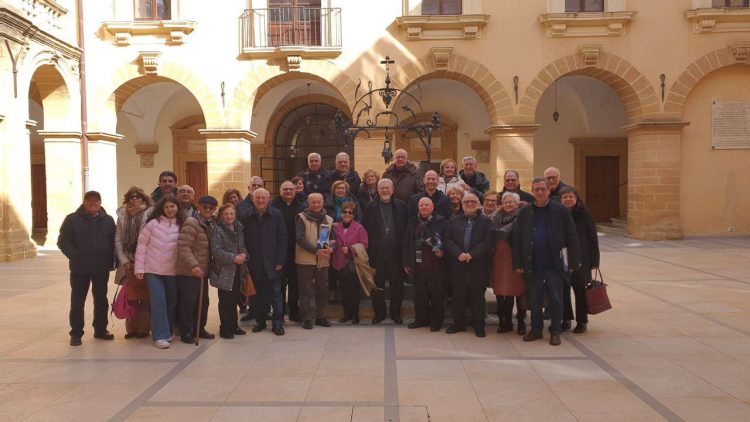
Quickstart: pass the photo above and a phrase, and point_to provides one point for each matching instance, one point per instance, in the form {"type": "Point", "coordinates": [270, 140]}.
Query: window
{"type": "Point", "coordinates": [154, 10]}
{"type": "Point", "coordinates": [441, 7]}
{"type": "Point", "coordinates": [584, 5]}
{"type": "Point", "coordinates": [731, 3]}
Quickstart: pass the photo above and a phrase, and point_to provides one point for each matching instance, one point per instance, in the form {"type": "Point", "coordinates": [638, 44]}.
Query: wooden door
{"type": "Point", "coordinates": [39, 196]}
{"type": "Point", "coordinates": [197, 177]}
{"type": "Point", "coordinates": [293, 22]}
{"type": "Point", "coordinates": [603, 187]}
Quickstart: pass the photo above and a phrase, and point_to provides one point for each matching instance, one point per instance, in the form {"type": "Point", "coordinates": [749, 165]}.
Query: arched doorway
{"type": "Point", "coordinates": [308, 128]}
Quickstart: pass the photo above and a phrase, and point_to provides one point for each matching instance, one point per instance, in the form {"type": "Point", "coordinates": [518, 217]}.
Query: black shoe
{"type": "Point", "coordinates": [521, 328]}
{"type": "Point", "coordinates": [294, 317]}
{"type": "Point", "coordinates": [278, 330]}
{"type": "Point", "coordinates": [206, 335]}
{"type": "Point", "coordinates": [104, 335]}
{"type": "Point", "coordinates": [532, 335]}
{"type": "Point", "coordinates": [239, 331]}
{"type": "Point", "coordinates": [416, 324]}
{"type": "Point", "coordinates": [75, 341]}
{"type": "Point", "coordinates": [226, 335]}
{"type": "Point", "coordinates": [580, 328]}
{"type": "Point", "coordinates": [435, 329]}
{"type": "Point", "coordinates": [565, 326]}
{"type": "Point", "coordinates": [479, 331]}
{"type": "Point", "coordinates": [554, 339]}
{"type": "Point", "coordinates": [307, 325]}
{"type": "Point", "coordinates": [398, 320]}
{"type": "Point", "coordinates": [259, 327]}
{"type": "Point", "coordinates": [376, 321]}
{"type": "Point", "coordinates": [247, 317]}
{"type": "Point", "coordinates": [187, 338]}
{"type": "Point", "coordinates": [322, 322]}
{"type": "Point", "coordinates": [453, 329]}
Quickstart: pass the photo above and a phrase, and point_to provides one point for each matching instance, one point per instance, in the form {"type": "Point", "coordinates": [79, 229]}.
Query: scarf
{"type": "Point", "coordinates": [339, 202]}
{"type": "Point", "coordinates": [317, 217]}
{"type": "Point", "coordinates": [425, 236]}
{"type": "Point", "coordinates": [131, 227]}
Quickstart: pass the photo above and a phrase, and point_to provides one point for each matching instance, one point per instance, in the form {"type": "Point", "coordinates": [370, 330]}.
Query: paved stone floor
{"type": "Point", "coordinates": [676, 346]}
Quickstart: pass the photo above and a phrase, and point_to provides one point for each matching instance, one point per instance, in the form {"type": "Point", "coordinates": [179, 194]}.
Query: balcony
{"type": "Point", "coordinates": [291, 32]}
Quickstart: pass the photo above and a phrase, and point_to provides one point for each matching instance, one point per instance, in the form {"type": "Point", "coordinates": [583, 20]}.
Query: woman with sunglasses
{"type": "Point", "coordinates": [349, 233]}
{"type": "Point", "coordinates": [131, 216]}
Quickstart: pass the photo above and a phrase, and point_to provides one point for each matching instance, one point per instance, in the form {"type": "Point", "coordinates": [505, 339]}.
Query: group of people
{"type": "Point", "coordinates": [331, 236]}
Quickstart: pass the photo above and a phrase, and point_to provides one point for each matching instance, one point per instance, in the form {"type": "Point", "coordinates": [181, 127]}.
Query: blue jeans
{"type": "Point", "coordinates": [550, 283]}
{"type": "Point", "coordinates": [163, 295]}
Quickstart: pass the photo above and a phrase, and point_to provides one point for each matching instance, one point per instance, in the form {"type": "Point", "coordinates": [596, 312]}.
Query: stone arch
{"type": "Point", "coordinates": [459, 68]}
{"type": "Point", "coordinates": [693, 74]}
{"type": "Point", "coordinates": [264, 78]}
{"type": "Point", "coordinates": [126, 79]}
{"type": "Point", "coordinates": [59, 91]}
{"type": "Point", "coordinates": [281, 112]}
{"type": "Point", "coordinates": [633, 88]}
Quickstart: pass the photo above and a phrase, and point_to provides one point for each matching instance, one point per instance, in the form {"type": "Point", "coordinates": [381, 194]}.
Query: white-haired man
{"type": "Point", "coordinates": [315, 178]}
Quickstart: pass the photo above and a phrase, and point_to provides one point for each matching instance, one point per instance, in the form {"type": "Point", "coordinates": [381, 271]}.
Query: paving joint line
{"type": "Point", "coordinates": [194, 403]}
{"type": "Point", "coordinates": [390, 384]}
{"type": "Point", "coordinates": [495, 358]}
{"type": "Point", "coordinates": [645, 397]}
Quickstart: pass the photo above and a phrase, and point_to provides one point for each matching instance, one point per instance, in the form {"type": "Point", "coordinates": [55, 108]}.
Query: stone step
{"type": "Point", "coordinates": [620, 223]}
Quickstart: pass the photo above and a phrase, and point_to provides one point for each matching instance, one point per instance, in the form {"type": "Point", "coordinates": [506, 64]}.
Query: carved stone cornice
{"type": "Point", "coordinates": [733, 19]}
{"type": "Point", "coordinates": [174, 31]}
{"type": "Point", "coordinates": [21, 31]}
{"type": "Point", "coordinates": [586, 24]}
{"type": "Point", "coordinates": [442, 27]}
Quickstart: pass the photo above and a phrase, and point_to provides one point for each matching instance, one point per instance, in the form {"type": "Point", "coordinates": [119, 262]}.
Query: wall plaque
{"type": "Point", "coordinates": [730, 125]}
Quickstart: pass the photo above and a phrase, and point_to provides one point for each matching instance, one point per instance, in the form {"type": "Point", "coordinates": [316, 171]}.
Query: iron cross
{"type": "Point", "coordinates": [387, 62]}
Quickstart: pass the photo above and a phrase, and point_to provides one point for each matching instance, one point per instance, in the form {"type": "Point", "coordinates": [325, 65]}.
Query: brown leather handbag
{"type": "Point", "coordinates": [597, 300]}
{"type": "Point", "coordinates": [247, 288]}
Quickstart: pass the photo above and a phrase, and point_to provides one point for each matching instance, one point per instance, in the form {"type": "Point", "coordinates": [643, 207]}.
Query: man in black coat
{"type": "Point", "coordinates": [468, 243]}
{"type": "Point", "coordinates": [552, 175]}
{"type": "Point", "coordinates": [289, 207]}
{"type": "Point", "coordinates": [476, 180]}
{"type": "Point", "coordinates": [385, 222]}
{"type": "Point", "coordinates": [265, 239]}
{"type": "Point", "coordinates": [315, 177]}
{"type": "Point", "coordinates": [545, 249]}
{"type": "Point", "coordinates": [441, 202]}
{"type": "Point", "coordinates": [246, 205]}
{"type": "Point", "coordinates": [344, 172]}
{"type": "Point", "coordinates": [512, 183]}
{"type": "Point", "coordinates": [87, 239]}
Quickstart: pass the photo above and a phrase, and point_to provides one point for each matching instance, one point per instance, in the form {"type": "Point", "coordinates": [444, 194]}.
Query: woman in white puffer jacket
{"type": "Point", "coordinates": [155, 259]}
{"type": "Point", "coordinates": [449, 177]}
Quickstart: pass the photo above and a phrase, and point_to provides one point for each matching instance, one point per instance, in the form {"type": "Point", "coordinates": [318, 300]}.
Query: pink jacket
{"type": "Point", "coordinates": [354, 234]}
{"type": "Point", "coordinates": [157, 247]}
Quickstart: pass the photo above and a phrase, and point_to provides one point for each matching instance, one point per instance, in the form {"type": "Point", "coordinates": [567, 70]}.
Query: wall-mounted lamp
{"type": "Point", "coordinates": [387, 152]}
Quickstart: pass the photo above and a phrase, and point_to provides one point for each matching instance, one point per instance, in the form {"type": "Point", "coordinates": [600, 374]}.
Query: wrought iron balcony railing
{"type": "Point", "coordinates": [290, 26]}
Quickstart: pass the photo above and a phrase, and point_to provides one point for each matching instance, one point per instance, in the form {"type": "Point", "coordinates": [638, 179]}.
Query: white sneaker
{"type": "Point", "coordinates": [170, 339]}
{"type": "Point", "coordinates": [161, 344]}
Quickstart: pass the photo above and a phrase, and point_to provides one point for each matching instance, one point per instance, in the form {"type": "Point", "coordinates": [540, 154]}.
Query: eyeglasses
{"type": "Point", "coordinates": [490, 200]}
{"type": "Point", "coordinates": [471, 201]}
{"type": "Point", "coordinates": [552, 177]}
{"type": "Point", "coordinates": [540, 189]}
{"type": "Point", "coordinates": [347, 212]}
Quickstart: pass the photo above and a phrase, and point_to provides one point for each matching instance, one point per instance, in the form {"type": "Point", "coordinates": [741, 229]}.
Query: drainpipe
{"type": "Point", "coordinates": [84, 108]}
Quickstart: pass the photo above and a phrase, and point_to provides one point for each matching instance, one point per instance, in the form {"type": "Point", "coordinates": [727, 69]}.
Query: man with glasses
{"type": "Point", "coordinates": [186, 196]}
{"type": "Point", "coordinates": [552, 176]}
{"type": "Point", "coordinates": [545, 249]}
{"type": "Point", "coordinates": [167, 183]}
{"type": "Point", "coordinates": [246, 205]}
{"type": "Point", "coordinates": [193, 257]}
{"type": "Point", "coordinates": [490, 203]}
{"type": "Point", "coordinates": [87, 239]}
{"type": "Point", "coordinates": [468, 244]}
{"type": "Point", "coordinates": [512, 183]}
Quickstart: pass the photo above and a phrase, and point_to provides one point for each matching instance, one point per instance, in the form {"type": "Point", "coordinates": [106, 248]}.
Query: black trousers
{"type": "Point", "coordinates": [505, 310]}
{"type": "Point", "coordinates": [228, 300]}
{"type": "Point", "coordinates": [429, 296]}
{"type": "Point", "coordinates": [290, 289]}
{"type": "Point", "coordinates": [468, 288]}
{"type": "Point", "coordinates": [350, 291]}
{"type": "Point", "coordinates": [188, 289]}
{"type": "Point", "coordinates": [579, 280]}
{"type": "Point", "coordinates": [550, 284]}
{"type": "Point", "coordinates": [390, 270]}
{"type": "Point", "coordinates": [79, 289]}
{"type": "Point", "coordinates": [268, 296]}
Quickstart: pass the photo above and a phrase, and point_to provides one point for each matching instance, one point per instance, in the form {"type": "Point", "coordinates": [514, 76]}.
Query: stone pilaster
{"type": "Point", "coordinates": [103, 167]}
{"type": "Point", "coordinates": [654, 166]}
{"type": "Point", "coordinates": [229, 159]}
{"type": "Point", "coordinates": [511, 147]}
{"type": "Point", "coordinates": [64, 177]}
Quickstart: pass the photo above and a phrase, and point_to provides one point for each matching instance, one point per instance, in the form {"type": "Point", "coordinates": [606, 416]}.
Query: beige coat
{"type": "Point", "coordinates": [303, 257]}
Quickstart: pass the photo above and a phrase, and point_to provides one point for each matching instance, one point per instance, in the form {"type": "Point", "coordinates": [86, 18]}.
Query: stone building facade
{"type": "Point", "coordinates": [222, 93]}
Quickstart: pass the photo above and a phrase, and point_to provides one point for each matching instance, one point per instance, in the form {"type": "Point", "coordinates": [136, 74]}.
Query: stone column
{"type": "Point", "coordinates": [511, 147]}
{"type": "Point", "coordinates": [229, 159]}
{"type": "Point", "coordinates": [103, 168]}
{"type": "Point", "coordinates": [654, 166]}
{"type": "Point", "coordinates": [64, 177]}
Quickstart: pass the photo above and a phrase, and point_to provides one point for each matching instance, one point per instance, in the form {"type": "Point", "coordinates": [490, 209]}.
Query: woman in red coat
{"type": "Point", "coordinates": [348, 233]}
{"type": "Point", "coordinates": [507, 284]}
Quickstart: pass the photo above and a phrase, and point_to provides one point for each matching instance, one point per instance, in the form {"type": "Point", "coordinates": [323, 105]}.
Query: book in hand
{"type": "Point", "coordinates": [324, 235]}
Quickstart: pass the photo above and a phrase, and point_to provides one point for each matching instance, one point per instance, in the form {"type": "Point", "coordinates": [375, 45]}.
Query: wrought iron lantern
{"type": "Point", "coordinates": [365, 121]}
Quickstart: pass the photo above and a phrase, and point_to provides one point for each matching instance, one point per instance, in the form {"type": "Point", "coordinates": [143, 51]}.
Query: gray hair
{"type": "Point", "coordinates": [313, 154]}
{"type": "Point", "coordinates": [469, 158]}
{"type": "Point", "coordinates": [385, 181]}
{"type": "Point", "coordinates": [516, 197]}
{"type": "Point", "coordinates": [342, 154]}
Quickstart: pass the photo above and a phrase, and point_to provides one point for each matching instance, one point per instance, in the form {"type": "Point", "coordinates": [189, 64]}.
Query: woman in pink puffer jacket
{"type": "Point", "coordinates": [155, 259]}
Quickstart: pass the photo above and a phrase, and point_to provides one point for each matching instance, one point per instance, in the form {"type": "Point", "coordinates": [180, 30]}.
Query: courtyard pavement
{"type": "Point", "coordinates": [676, 346]}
